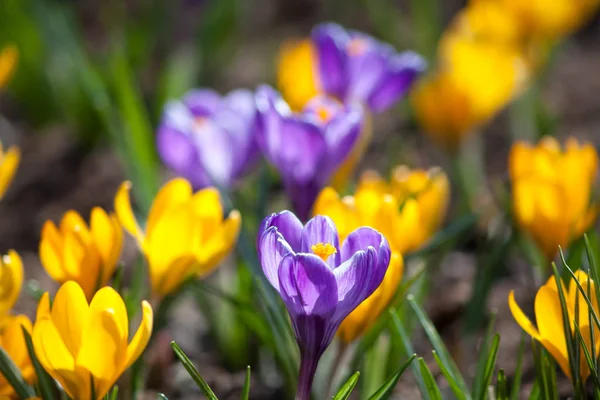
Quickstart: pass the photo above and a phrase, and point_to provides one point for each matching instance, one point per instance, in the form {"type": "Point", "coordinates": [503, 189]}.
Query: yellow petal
{"type": "Point", "coordinates": [219, 245]}
{"type": "Point", "coordinates": [8, 59]}
{"type": "Point", "coordinates": [11, 280]}
{"type": "Point", "coordinates": [43, 308]}
{"type": "Point", "coordinates": [108, 239]}
{"type": "Point", "coordinates": [521, 318]}
{"type": "Point", "coordinates": [142, 335]}
{"type": "Point", "coordinates": [173, 194]}
{"type": "Point", "coordinates": [8, 163]}
{"type": "Point", "coordinates": [70, 315]}
{"type": "Point", "coordinates": [177, 272]}
{"type": "Point", "coordinates": [108, 299]}
{"type": "Point", "coordinates": [13, 342]}
{"type": "Point", "coordinates": [207, 212]}
{"type": "Point", "coordinates": [125, 213]}
{"type": "Point", "coordinates": [296, 72]}
{"type": "Point", "coordinates": [550, 323]}
{"type": "Point", "coordinates": [51, 248]}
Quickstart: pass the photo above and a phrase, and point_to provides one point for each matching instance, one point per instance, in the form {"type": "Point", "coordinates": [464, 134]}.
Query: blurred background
{"type": "Point", "coordinates": [92, 78]}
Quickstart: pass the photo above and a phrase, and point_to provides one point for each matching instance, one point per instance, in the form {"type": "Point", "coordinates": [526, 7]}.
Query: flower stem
{"type": "Point", "coordinates": [308, 368]}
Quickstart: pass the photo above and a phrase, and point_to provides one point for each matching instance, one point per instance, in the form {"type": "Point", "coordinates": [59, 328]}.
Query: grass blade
{"type": "Point", "coordinates": [516, 384]}
{"type": "Point", "coordinates": [13, 376]}
{"type": "Point", "coordinates": [387, 388]}
{"type": "Point", "coordinates": [432, 388]}
{"type": "Point", "coordinates": [347, 387]}
{"type": "Point", "coordinates": [460, 395]}
{"type": "Point", "coordinates": [246, 390]}
{"type": "Point", "coordinates": [189, 366]}
{"type": "Point", "coordinates": [479, 385]}
{"type": "Point", "coordinates": [45, 382]}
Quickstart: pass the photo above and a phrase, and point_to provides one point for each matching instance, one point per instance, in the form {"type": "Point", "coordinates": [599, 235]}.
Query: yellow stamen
{"type": "Point", "coordinates": [323, 250]}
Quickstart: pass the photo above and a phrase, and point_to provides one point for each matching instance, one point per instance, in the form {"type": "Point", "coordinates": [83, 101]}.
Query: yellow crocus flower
{"type": "Point", "coordinates": [186, 233]}
{"type": "Point", "coordinates": [296, 73]}
{"type": "Point", "coordinates": [87, 255]}
{"type": "Point", "coordinates": [552, 191]}
{"type": "Point", "coordinates": [9, 162]}
{"type": "Point", "coordinates": [408, 210]}
{"type": "Point", "coordinates": [11, 279]}
{"type": "Point", "coordinates": [550, 331]}
{"type": "Point", "coordinates": [8, 60]}
{"type": "Point", "coordinates": [85, 346]}
{"type": "Point", "coordinates": [13, 342]}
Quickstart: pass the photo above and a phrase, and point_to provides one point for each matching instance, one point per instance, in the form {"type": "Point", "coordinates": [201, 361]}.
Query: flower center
{"type": "Point", "coordinates": [323, 250]}
{"type": "Point", "coordinates": [200, 123]}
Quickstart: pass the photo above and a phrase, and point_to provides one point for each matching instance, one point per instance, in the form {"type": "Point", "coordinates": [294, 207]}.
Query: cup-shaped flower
{"type": "Point", "coordinates": [11, 280]}
{"type": "Point", "coordinates": [550, 330]}
{"type": "Point", "coordinates": [208, 138]}
{"type": "Point", "coordinates": [308, 147]}
{"type": "Point", "coordinates": [8, 60]}
{"type": "Point", "coordinates": [319, 281]}
{"type": "Point", "coordinates": [474, 81]}
{"type": "Point", "coordinates": [74, 251]}
{"type": "Point", "coordinates": [408, 210]}
{"type": "Point", "coordinates": [12, 341]}
{"type": "Point", "coordinates": [86, 347]}
{"type": "Point", "coordinates": [186, 233]}
{"type": "Point", "coordinates": [552, 191]}
{"type": "Point", "coordinates": [348, 65]}
{"type": "Point", "coordinates": [9, 162]}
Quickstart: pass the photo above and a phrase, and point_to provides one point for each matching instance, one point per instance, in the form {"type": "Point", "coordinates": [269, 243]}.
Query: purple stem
{"type": "Point", "coordinates": [308, 368]}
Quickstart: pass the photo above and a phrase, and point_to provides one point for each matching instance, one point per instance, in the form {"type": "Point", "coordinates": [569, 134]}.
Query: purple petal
{"type": "Point", "coordinates": [341, 134]}
{"type": "Point", "coordinates": [242, 102]}
{"type": "Point", "coordinates": [287, 224]}
{"type": "Point", "coordinates": [271, 110]}
{"type": "Point", "coordinates": [330, 41]}
{"type": "Point", "coordinates": [307, 286]}
{"type": "Point", "coordinates": [202, 102]}
{"type": "Point", "coordinates": [303, 195]}
{"type": "Point", "coordinates": [366, 71]}
{"type": "Point", "coordinates": [362, 239]}
{"type": "Point", "coordinates": [218, 151]}
{"type": "Point", "coordinates": [321, 229]}
{"type": "Point", "coordinates": [403, 69]}
{"type": "Point", "coordinates": [357, 279]}
{"type": "Point", "coordinates": [272, 248]}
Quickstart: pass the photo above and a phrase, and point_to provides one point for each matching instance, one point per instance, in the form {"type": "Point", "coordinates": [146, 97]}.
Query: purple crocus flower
{"type": "Point", "coordinates": [207, 138]}
{"type": "Point", "coordinates": [356, 66]}
{"type": "Point", "coordinates": [319, 281]}
{"type": "Point", "coordinates": [307, 147]}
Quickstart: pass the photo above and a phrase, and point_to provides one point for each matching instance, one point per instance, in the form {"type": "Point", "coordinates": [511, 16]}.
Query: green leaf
{"type": "Point", "coordinates": [113, 394]}
{"type": "Point", "coordinates": [490, 366]}
{"type": "Point", "coordinates": [179, 75]}
{"type": "Point", "coordinates": [438, 344]}
{"type": "Point", "coordinates": [13, 376]}
{"type": "Point", "coordinates": [460, 395]}
{"type": "Point", "coordinates": [246, 390]}
{"type": "Point", "coordinates": [189, 366]}
{"type": "Point", "coordinates": [347, 387]}
{"type": "Point", "coordinates": [479, 386]}
{"type": "Point", "coordinates": [388, 387]}
{"type": "Point", "coordinates": [516, 383]}
{"type": "Point", "coordinates": [432, 388]}
{"type": "Point", "coordinates": [501, 386]}
{"type": "Point", "coordinates": [45, 382]}
{"type": "Point", "coordinates": [160, 396]}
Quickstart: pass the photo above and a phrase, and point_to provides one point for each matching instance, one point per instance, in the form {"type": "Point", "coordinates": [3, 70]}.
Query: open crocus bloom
{"type": "Point", "coordinates": [186, 232]}
{"type": "Point", "coordinates": [85, 347]}
{"type": "Point", "coordinates": [550, 330]}
{"type": "Point", "coordinates": [552, 191]}
{"type": "Point", "coordinates": [308, 147]}
{"type": "Point", "coordinates": [78, 252]}
{"type": "Point", "coordinates": [209, 139]}
{"type": "Point", "coordinates": [319, 281]}
{"type": "Point", "coordinates": [11, 279]}
{"type": "Point", "coordinates": [356, 66]}
{"type": "Point", "coordinates": [12, 341]}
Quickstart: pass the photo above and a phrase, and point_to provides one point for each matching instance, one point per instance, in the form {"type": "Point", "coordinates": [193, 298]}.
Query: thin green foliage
{"type": "Point", "coordinates": [45, 383]}
{"type": "Point", "coordinates": [246, 389]}
{"type": "Point", "coordinates": [501, 386]}
{"type": "Point", "coordinates": [516, 382]}
{"type": "Point", "coordinates": [13, 376]}
{"type": "Point", "coordinates": [480, 383]}
{"type": "Point", "coordinates": [347, 388]}
{"type": "Point", "coordinates": [388, 387]}
{"type": "Point", "coordinates": [433, 390]}
{"type": "Point", "coordinates": [191, 369]}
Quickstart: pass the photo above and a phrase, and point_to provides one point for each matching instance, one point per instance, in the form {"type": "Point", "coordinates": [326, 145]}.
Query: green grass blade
{"type": "Point", "coordinates": [501, 386]}
{"type": "Point", "coordinates": [189, 366]}
{"type": "Point", "coordinates": [438, 344]}
{"type": "Point", "coordinates": [479, 385]}
{"type": "Point", "coordinates": [161, 396]}
{"type": "Point", "coordinates": [433, 390]}
{"type": "Point", "coordinates": [516, 383]}
{"type": "Point", "coordinates": [246, 390]}
{"type": "Point", "coordinates": [46, 384]}
{"type": "Point", "coordinates": [347, 387]}
{"type": "Point", "coordinates": [388, 387]}
{"type": "Point", "coordinates": [460, 395]}
{"type": "Point", "coordinates": [490, 366]}
{"type": "Point", "coordinates": [13, 376]}
{"type": "Point", "coordinates": [587, 355]}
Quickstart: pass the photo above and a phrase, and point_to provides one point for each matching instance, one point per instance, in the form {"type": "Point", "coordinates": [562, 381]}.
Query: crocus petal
{"type": "Point", "coordinates": [307, 286]}
{"type": "Point", "coordinates": [330, 40]}
{"type": "Point", "coordinates": [300, 157]}
{"type": "Point", "coordinates": [8, 167]}
{"type": "Point", "coordinates": [402, 70]}
{"type": "Point", "coordinates": [174, 193]}
{"type": "Point", "coordinates": [242, 102]}
{"type": "Point", "coordinates": [287, 224]}
{"type": "Point", "coordinates": [321, 229]}
{"type": "Point", "coordinates": [521, 318]}
{"type": "Point", "coordinates": [272, 248]}
{"type": "Point", "coordinates": [70, 301]}
{"type": "Point", "coordinates": [142, 335]}
{"type": "Point", "coordinates": [125, 213]}
{"type": "Point", "coordinates": [548, 315]}
{"type": "Point", "coordinates": [108, 299]}
{"type": "Point", "coordinates": [341, 135]}
{"type": "Point", "coordinates": [202, 102]}
{"type": "Point", "coordinates": [11, 280]}
{"type": "Point", "coordinates": [217, 247]}
{"type": "Point", "coordinates": [366, 71]}
{"type": "Point", "coordinates": [216, 150]}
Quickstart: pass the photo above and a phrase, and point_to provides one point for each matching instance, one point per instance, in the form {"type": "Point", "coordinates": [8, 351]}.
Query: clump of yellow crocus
{"type": "Point", "coordinates": [87, 255]}
{"type": "Point", "coordinates": [13, 342]}
{"type": "Point", "coordinates": [550, 331]}
{"type": "Point", "coordinates": [407, 210]}
{"type": "Point", "coordinates": [186, 233]}
{"type": "Point", "coordinates": [86, 347]}
{"type": "Point", "coordinates": [8, 60]}
{"type": "Point", "coordinates": [9, 161]}
{"type": "Point", "coordinates": [552, 191]}
{"type": "Point", "coordinates": [297, 77]}
{"type": "Point", "coordinates": [11, 279]}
